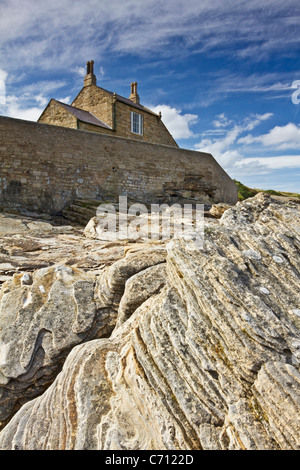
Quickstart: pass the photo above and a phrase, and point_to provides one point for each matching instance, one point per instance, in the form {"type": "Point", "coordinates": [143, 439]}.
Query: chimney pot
{"type": "Point", "coordinates": [90, 78]}
{"type": "Point", "coordinates": [134, 94]}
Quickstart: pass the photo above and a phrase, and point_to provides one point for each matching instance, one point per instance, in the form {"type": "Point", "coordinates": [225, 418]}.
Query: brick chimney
{"type": "Point", "coordinates": [90, 78]}
{"type": "Point", "coordinates": [134, 94]}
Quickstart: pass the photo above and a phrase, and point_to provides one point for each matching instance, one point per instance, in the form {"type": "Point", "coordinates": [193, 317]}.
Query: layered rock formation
{"type": "Point", "coordinates": [42, 317]}
{"type": "Point", "coordinates": [205, 350]}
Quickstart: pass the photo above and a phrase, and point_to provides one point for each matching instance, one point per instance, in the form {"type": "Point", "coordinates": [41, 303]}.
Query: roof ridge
{"type": "Point", "coordinates": [128, 101]}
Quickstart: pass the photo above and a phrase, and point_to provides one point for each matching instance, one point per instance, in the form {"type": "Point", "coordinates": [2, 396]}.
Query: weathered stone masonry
{"type": "Point", "coordinates": [44, 168]}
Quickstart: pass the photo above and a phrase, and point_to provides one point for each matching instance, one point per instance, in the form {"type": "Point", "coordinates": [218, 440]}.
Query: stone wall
{"type": "Point", "coordinates": [44, 168]}
{"type": "Point", "coordinates": [85, 126]}
{"type": "Point", "coordinates": [153, 128]}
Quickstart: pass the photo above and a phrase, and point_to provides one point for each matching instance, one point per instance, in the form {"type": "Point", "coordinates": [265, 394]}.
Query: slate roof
{"type": "Point", "coordinates": [135, 105]}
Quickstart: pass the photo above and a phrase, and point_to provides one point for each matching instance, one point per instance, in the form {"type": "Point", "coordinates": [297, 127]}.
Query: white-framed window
{"type": "Point", "coordinates": [136, 123]}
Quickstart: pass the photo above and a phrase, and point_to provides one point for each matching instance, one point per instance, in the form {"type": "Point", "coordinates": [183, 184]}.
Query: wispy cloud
{"type": "Point", "coordinates": [41, 100]}
{"type": "Point", "coordinates": [225, 83]}
{"type": "Point", "coordinates": [231, 146]}
{"type": "Point", "coordinates": [81, 71]}
{"type": "Point", "coordinates": [43, 87]}
{"type": "Point", "coordinates": [32, 32]}
{"type": "Point", "coordinates": [225, 147]}
{"type": "Point", "coordinates": [3, 76]}
{"type": "Point", "coordinates": [221, 121]}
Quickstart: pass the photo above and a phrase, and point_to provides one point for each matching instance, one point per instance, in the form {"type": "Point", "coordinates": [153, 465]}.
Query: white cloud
{"type": "Point", "coordinates": [270, 85]}
{"type": "Point", "coordinates": [280, 137]}
{"type": "Point", "coordinates": [230, 151]}
{"type": "Point", "coordinates": [66, 100]}
{"type": "Point", "coordinates": [243, 169]}
{"type": "Point", "coordinates": [30, 101]}
{"type": "Point", "coordinates": [41, 100]}
{"type": "Point", "coordinates": [101, 72]}
{"type": "Point", "coordinates": [178, 124]}
{"type": "Point", "coordinates": [32, 32]}
{"type": "Point", "coordinates": [15, 108]}
{"type": "Point", "coordinates": [275, 163]}
{"type": "Point", "coordinates": [43, 87]}
{"type": "Point", "coordinates": [3, 76]}
{"type": "Point", "coordinates": [81, 71]}
{"type": "Point", "coordinates": [224, 148]}
{"type": "Point", "coordinates": [221, 121]}
{"type": "Point", "coordinates": [255, 120]}
{"type": "Point", "coordinates": [220, 148]}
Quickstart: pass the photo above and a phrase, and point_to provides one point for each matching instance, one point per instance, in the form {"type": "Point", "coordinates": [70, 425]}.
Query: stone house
{"type": "Point", "coordinates": [98, 110]}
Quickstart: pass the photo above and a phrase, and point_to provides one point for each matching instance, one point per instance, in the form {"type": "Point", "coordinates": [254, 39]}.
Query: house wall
{"type": "Point", "coordinates": [96, 101]}
{"type": "Point", "coordinates": [56, 115]}
{"type": "Point", "coordinates": [100, 103]}
{"type": "Point", "coordinates": [44, 168]}
{"type": "Point", "coordinates": [85, 126]}
{"type": "Point", "coordinates": [154, 130]}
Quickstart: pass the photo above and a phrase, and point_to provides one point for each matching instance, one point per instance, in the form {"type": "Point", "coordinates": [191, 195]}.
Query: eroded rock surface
{"type": "Point", "coordinates": [44, 313]}
{"type": "Point", "coordinates": [42, 317]}
{"type": "Point", "coordinates": [28, 244]}
{"type": "Point", "coordinates": [206, 356]}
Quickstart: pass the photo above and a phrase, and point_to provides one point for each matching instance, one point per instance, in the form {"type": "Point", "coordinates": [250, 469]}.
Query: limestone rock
{"type": "Point", "coordinates": [90, 230]}
{"type": "Point", "coordinates": [139, 288]}
{"type": "Point", "coordinates": [28, 244]}
{"type": "Point", "coordinates": [10, 224]}
{"type": "Point", "coordinates": [127, 272]}
{"type": "Point", "coordinates": [108, 230]}
{"type": "Point", "coordinates": [208, 360]}
{"type": "Point", "coordinates": [42, 316]}
{"type": "Point", "coordinates": [217, 210]}
{"type": "Point", "coordinates": [160, 222]}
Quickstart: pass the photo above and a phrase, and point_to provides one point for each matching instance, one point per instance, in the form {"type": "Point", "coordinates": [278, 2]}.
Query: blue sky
{"type": "Point", "coordinates": [225, 74]}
